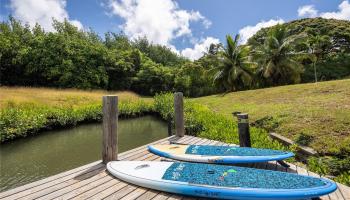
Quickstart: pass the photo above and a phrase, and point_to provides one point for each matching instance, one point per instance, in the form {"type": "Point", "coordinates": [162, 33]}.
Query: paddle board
{"type": "Point", "coordinates": [218, 154]}
{"type": "Point", "coordinates": [219, 181]}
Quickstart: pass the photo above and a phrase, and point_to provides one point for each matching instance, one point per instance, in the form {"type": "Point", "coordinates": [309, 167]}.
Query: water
{"type": "Point", "coordinates": [33, 158]}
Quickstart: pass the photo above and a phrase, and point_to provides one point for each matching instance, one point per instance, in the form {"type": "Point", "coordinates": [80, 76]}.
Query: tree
{"type": "Point", "coordinates": [235, 72]}
{"type": "Point", "coordinates": [334, 60]}
{"type": "Point", "coordinates": [278, 57]}
{"type": "Point", "coordinates": [192, 79]}
{"type": "Point", "coordinates": [318, 47]}
{"type": "Point", "coordinates": [117, 41]}
{"type": "Point", "coordinates": [123, 69]}
{"type": "Point", "coordinates": [158, 53]}
{"type": "Point", "coordinates": [153, 78]}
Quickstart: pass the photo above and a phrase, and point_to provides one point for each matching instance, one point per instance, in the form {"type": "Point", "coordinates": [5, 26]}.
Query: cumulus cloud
{"type": "Point", "coordinates": [160, 21]}
{"type": "Point", "coordinates": [199, 49]}
{"type": "Point", "coordinates": [343, 13]}
{"type": "Point", "coordinates": [41, 12]}
{"type": "Point", "coordinates": [249, 31]}
{"type": "Point", "coordinates": [307, 11]}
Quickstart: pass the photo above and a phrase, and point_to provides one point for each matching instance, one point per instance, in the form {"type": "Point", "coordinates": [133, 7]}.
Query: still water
{"type": "Point", "coordinates": [33, 158]}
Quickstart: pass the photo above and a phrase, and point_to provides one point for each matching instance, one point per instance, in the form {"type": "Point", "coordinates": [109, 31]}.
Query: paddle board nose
{"type": "Point", "coordinates": [143, 169]}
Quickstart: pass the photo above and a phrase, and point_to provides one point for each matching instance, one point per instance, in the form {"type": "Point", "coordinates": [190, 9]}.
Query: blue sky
{"type": "Point", "coordinates": [186, 26]}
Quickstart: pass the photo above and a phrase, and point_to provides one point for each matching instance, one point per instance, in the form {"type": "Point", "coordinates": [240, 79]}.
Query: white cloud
{"type": "Point", "coordinates": [77, 23]}
{"type": "Point", "coordinates": [41, 12]}
{"type": "Point", "coordinates": [307, 11]}
{"type": "Point", "coordinates": [249, 31]}
{"type": "Point", "coordinates": [160, 21]}
{"type": "Point", "coordinates": [343, 13]}
{"type": "Point", "coordinates": [199, 49]}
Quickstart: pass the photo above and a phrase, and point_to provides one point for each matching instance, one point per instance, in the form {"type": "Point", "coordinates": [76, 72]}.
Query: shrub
{"type": "Point", "coordinates": [303, 139]}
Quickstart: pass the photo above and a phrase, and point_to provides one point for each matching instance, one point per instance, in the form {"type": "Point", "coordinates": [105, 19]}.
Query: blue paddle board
{"type": "Point", "coordinates": [218, 154]}
{"type": "Point", "coordinates": [219, 181]}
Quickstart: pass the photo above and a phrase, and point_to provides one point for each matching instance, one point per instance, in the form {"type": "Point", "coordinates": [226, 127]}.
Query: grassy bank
{"type": "Point", "coordinates": [27, 111]}
{"type": "Point", "coordinates": [316, 115]}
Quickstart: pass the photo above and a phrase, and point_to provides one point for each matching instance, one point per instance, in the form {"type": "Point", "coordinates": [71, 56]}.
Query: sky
{"type": "Point", "coordinates": [187, 27]}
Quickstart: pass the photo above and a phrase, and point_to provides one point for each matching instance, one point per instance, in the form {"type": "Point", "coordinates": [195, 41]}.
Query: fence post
{"type": "Point", "coordinates": [243, 130]}
{"type": "Point", "coordinates": [179, 114]}
{"type": "Point", "coordinates": [109, 126]}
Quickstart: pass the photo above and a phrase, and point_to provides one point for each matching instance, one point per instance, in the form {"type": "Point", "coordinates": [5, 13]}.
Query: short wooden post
{"type": "Point", "coordinates": [109, 126]}
{"type": "Point", "coordinates": [243, 130]}
{"type": "Point", "coordinates": [179, 114]}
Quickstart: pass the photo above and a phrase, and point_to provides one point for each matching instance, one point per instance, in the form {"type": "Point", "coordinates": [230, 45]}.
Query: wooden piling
{"type": "Point", "coordinates": [169, 123]}
{"type": "Point", "coordinates": [109, 126]}
{"type": "Point", "coordinates": [179, 114]}
{"type": "Point", "coordinates": [243, 130]}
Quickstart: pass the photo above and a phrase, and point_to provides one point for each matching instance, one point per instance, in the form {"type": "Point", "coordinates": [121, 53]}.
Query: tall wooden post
{"type": "Point", "coordinates": [179, 114]}
{"type": "Point", "coordinates": [109, 126]}
{"type": "Point", "coordinates": [243, 130]}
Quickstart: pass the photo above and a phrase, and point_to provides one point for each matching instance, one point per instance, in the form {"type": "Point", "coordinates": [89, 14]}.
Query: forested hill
{"type": "Point", "coordinates": [331, 36]}
{"type": "Point", "coordinates": [72, 58]}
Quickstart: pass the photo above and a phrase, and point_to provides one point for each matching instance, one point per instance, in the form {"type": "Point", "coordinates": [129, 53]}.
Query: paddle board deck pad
{"type": "Point", "coordinates": [219, 181]}
{"type": "Point", "coordinates": [218, 154]}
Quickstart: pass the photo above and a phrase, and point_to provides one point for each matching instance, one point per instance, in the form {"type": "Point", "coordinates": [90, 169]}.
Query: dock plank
{"type": "Point", "coordinates": [62, 187]}
{"type": "Point", "coordinates": [148, 195]}
{"type": "Point", "coordinates": [161, 196]}
{"type": "Point", "coordinates": [344, 190]}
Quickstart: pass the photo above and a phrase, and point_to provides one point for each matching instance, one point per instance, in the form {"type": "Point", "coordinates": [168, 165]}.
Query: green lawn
{"type": "Point", "coordinates": [321, 111]}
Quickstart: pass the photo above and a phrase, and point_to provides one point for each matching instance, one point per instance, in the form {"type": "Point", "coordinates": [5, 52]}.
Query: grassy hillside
{"type": "Point", "coordinates": [317, 115]}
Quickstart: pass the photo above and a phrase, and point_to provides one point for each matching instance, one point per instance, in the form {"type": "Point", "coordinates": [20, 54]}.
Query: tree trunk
{"type": "Point", "coordinates": [315, 72]}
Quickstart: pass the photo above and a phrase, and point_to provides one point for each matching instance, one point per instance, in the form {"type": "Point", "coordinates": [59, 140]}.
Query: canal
{"type": "Point", "coordinates": [33, 158]}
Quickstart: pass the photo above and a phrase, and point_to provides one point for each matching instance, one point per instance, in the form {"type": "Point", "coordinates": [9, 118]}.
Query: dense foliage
{"type": "Point", "coordinates": [72, 58]}
{"type": "Point", "coordinates": [328, 40]}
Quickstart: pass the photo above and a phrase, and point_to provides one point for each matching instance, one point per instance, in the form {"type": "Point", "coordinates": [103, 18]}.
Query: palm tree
{"type": "Point", "coordinates": [277, 57]}
{"type": "Point", "coordinates": [234, 72]}
{"type": "Point", "coordinates": [317, 45]}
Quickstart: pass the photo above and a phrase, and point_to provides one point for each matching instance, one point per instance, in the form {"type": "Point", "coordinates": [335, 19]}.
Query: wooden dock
{"type": "Point", "coordinates": [92, 181]}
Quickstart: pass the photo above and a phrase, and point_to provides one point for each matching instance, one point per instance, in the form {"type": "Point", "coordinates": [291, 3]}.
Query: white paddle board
{"type": "Point", "coordinates": [219, 181]}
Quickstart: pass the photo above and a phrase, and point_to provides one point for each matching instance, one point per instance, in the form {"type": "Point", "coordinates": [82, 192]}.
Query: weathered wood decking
{"type": "Point", "coordinates": [92, 181]}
